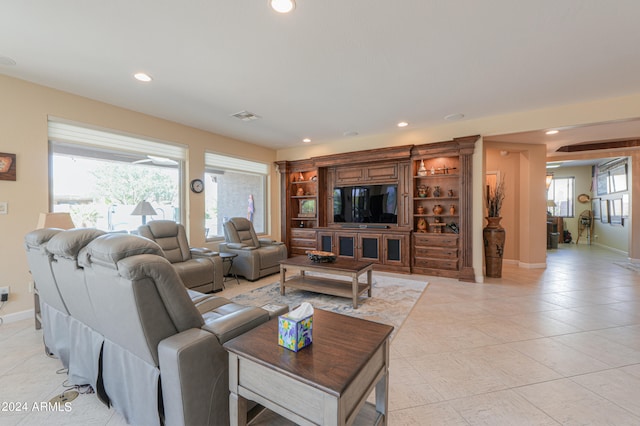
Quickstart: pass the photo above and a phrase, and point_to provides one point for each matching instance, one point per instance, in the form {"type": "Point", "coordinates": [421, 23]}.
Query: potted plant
{"type": "Point", "coordinates": [494, 235]}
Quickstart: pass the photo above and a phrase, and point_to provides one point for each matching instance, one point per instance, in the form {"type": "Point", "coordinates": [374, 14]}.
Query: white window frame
{"type": "Point", "coordinates": [215, 161]}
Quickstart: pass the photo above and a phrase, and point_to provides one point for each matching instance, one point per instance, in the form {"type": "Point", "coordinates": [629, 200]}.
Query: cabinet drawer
{"type": "Point", "coordinates": [451, 265]}
{"type": "Point", "coordinates": [441, 240]}
{"type": "Point", "coordinates": [386, 172]}
{"type": "Point", "coordinates": [437, 252]}
{"type": "Point", "coordinates": [298, 242]}
{"type": "Point", "coordinates": [303, 233]}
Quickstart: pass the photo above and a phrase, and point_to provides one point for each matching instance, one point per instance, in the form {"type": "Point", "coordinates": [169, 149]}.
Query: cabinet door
{"type": "Point", "coordinates": [326, 241]}
{"type": "Point", "coordinates": [395, 250]}
{"type": "Point", "coordinates": [370, 247]}
{"type": "Point", "coordinates": [345, 244]}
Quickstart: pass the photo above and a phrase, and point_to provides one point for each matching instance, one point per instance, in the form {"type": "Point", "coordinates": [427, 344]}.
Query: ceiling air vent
{"type": "Point", "coordinates": [245, 116]}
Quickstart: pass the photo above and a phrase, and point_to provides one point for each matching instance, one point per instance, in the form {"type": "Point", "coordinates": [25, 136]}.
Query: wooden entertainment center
{"type": "Point", "coordinates": [406, 209]}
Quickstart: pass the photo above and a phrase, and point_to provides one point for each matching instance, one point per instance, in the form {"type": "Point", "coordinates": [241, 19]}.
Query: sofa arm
{"type": "Point", "coordinates": [202, 252]}
{"type": "Point", "coordinates": [231, 320]}
{"type": "Point", "coordinates": [194, 372]}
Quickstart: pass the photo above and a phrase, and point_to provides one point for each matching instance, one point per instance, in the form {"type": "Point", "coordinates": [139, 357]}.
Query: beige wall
{"type": "Point", "coordinates": [23, 125]}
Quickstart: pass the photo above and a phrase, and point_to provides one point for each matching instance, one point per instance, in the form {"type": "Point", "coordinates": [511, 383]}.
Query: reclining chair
{"type": "Point", "coordinates": [199, 268]}
{"type": "Point", "coordinates": [162, 360]}
{"type": "Point", "coordinates": [257, 257]}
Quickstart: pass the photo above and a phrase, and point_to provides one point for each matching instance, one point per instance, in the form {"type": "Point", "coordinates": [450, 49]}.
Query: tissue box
{"type": "Point", "coordinates": [294, 334]}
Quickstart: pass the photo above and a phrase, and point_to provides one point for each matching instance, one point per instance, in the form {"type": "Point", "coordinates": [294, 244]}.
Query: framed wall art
{"type": "Point", "coordinates": [7, 166]}
{"type": "Point", "coordinates": [307, 208]}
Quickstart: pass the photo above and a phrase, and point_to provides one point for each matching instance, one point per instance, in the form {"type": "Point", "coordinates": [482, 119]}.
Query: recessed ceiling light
{"type": "Point", "coordinates": [350, 133]}
{"type": "Point", "coordinates": [453, 117]}
{"type": "Point", "coordinates": [140, 76]}
{"type": "Point", "coordinates": [5, 60]}
{"type": "Point", "coordinates": [282, 6]}
{"type": "Point", "coordinates": [306, 140]}
{"type": "Point", "coordinates": [402, 124]}
{"type": "Point", "coordinates": [552, 132]}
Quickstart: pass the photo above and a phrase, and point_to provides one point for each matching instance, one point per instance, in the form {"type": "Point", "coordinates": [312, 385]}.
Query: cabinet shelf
{"type": "Point", "coordinates": [304, 218]}
{"type": "Point", "coordinates": [437, 176]}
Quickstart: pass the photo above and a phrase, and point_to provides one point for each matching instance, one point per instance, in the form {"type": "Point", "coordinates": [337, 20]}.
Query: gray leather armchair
{"type": "Point", "coordinates": [199, 268]}
{"type": "Point", "coordinates": [257, 257]}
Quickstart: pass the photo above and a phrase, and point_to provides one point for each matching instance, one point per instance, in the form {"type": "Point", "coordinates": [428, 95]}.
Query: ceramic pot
{"type": "Point", "coordinates": [436, 191]}
{"type": "Point", "coordinates": [300, 191]}
{"type": "Point", "coordinates": [437, 209]}
{"type": "Point", "coordinates": [422, 225]}
{"type": "Point", "coordinates": [420, 210]}
{"type": "Point", "coordinates": [494, 237]}
{"type": "Point", "coordinates": [452, 210]}
{"type": "Point", "coordinates": [423, 191]}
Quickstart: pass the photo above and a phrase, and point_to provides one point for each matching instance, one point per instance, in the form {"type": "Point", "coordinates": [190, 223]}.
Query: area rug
{"type": "Point", "coordinates": [391, 302]}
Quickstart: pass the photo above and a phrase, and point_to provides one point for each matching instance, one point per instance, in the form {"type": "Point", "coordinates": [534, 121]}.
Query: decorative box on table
{"type": "Point", "coordinates": [295, 334]}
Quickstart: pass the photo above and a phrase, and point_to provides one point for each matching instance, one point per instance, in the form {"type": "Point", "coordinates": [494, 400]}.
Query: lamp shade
{"type": "Point", "coordinates": [55, 220]}
{"type": "Point", "coordinates": [144, 209]}
{"type": "Point", "coordinates": [548, 180]}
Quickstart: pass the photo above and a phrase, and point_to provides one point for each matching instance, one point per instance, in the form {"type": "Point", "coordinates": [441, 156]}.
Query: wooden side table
{"type": "Point", "coordinates": [326, 383]}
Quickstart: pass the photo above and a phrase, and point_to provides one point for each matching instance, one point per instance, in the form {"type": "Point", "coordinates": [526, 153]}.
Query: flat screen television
{"type": "Point", "coordinates": [366, 204]}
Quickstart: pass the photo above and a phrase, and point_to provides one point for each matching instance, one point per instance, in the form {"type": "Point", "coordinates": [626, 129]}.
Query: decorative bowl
{"type": "Point", "coordinates": [322, 256]}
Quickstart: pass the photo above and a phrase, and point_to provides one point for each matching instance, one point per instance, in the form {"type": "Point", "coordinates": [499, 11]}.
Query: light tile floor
{"type": "Point", "coordinates": [539, 346]}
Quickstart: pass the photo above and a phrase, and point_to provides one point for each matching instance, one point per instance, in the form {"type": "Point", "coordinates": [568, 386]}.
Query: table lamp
{"type": "Point", "coordinates": [144, 209]}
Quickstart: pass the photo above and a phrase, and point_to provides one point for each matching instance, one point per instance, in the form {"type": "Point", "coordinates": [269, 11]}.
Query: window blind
{"type": "Point", "coordinates": [71, 133]}
{"type": "Point", "coordinates": [225, 162]}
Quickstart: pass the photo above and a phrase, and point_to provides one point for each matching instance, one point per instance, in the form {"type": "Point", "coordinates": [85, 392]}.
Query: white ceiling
{"type": "Point", "coordinates": [331, 66]}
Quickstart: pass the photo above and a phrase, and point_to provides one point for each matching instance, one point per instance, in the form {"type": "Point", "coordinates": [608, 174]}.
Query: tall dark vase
{"type": "Point", "coordinates": [494, 237]}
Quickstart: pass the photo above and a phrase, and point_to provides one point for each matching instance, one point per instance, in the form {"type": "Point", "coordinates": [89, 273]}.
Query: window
{"type": "Point", "coordinates": [99, 177]}
{"type": "Point", "coordinates": [234, 188]}
{"type": "Point", "coordinates": [561, 193]}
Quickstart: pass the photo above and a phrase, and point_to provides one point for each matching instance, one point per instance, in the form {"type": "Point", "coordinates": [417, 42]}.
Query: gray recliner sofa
{"type": "Point", "coordinates": [54, 312]}
{"type": "Point", "coordinates": [199, 268]}
{"type": "Point", "coordinates": [257, 257]}
{"type": "Point", "coordinates": [161, 359]}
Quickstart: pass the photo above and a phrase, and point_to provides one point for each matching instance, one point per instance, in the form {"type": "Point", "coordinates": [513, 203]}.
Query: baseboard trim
{"type": "Point", "coordinates": [17, 316]}
{"type": "Point", "coordinates": [622, 252]}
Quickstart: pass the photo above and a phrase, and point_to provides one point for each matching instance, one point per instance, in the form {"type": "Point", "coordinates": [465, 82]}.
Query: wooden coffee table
{"type": "Point", "coordinates": [326, 383]}
{"type": "Point", "coordinates": [344, 267]}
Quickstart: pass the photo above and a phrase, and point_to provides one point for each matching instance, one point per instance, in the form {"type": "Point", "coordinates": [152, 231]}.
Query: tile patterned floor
{"type": "Point", "coordinates": [539, 347]}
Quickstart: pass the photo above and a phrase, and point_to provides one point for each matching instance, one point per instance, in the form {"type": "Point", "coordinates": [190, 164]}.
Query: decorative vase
{"type": "Point", "coordinates": [300, 192]}
{"type": "Point", "coordinates": [437, 209]}
{"type": "Point", "coordinates": [452, 210]}
{"type": "Point", "coordinates": [494, 237]}
{"type": "Point", "coordinates": [436, 191]}
{"type": "Point", "coordinates": [450, 193]}
{"type": "Point", "coordinates": [422, 171]}
{"type": "Point", "coordinates": [422, 225]}
{"type": "Point", "coordinates": [420, 210]}
{"type": "Point", "coordinates": [423, 191]}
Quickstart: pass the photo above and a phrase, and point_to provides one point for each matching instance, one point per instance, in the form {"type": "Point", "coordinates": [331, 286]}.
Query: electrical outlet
{"type": "Point", "coordinates": [4, 294]}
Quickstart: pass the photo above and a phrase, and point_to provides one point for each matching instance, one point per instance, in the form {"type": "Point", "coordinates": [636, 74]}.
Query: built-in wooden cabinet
{"type": "Point", "coordinates": [442, 247]}
{"type": "Point", "coordinates": [390, 251]}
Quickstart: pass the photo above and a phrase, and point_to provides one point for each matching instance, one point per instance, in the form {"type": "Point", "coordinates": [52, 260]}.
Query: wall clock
{"type": "Point", "coordinates": [197, 186]}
